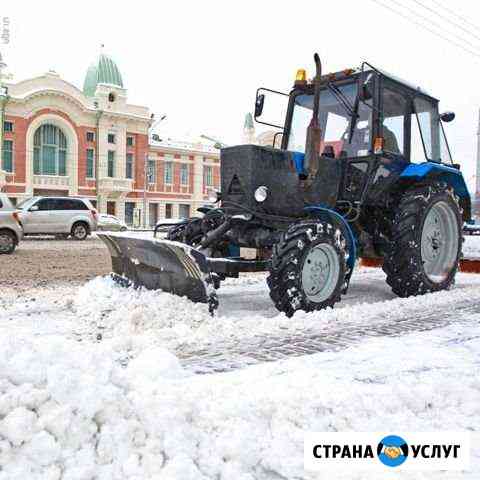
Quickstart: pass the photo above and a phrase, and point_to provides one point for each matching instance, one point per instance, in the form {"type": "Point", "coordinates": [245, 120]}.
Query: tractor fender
{"type": "Point", "coordinates": [325, 213]}
{"type": "Point", "coordinates": [443, 173]}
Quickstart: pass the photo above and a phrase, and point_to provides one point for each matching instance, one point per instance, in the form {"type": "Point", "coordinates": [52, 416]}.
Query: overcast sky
{"type": "Point", "coordinates": [200, 62]}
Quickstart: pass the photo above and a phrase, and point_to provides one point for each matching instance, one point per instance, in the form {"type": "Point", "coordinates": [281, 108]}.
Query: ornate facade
{"type": "Point", "coordinates": [92, 143]}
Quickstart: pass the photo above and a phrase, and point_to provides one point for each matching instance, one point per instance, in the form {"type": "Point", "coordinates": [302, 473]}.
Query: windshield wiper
{"type": "Point", "coordinates": [340, 96]}
{"type": "Point", "coordinates": [352, 110]}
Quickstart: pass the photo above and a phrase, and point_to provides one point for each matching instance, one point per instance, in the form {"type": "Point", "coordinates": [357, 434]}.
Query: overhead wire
{"type": "Point", "coordinates": [427, 28]}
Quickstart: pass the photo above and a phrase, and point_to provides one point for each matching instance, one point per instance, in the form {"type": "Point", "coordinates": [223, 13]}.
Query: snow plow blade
{"type": "Point", "coordinates": [158, 265]}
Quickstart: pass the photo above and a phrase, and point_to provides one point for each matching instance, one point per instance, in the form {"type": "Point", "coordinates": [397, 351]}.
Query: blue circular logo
{"type": "Point", "coordinates": [392, 451]}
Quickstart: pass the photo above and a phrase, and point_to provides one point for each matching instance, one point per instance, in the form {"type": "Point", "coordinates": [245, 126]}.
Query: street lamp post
{"type": "Point", "coordinates": [151, 126]}
{"type": "Point", "coordinates": [98, 114]}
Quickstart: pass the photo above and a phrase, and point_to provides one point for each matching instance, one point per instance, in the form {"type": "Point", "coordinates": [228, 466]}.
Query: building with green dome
{"type": "Point", "coordinates": [91, 142]}
{"type": "Point", "coordinates": [103, 70]}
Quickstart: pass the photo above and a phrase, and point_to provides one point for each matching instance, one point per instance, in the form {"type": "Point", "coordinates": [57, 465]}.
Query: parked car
{"type": "Point", "coordinates": [110, 223]}
{"type": "Point", "coordinates": [60, 216]}
{"type": "Point", "coordinates": [11, 231]}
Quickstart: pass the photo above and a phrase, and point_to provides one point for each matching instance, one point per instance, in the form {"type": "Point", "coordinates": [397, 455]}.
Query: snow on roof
{"type": "Point", "coordinates": [183, 145]}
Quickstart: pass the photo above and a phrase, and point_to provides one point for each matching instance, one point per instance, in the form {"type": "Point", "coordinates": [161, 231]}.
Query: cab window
{"type": "Point", "coordinates": [427, 122]}
{"type": "Point", "coordinates": [393, 125]}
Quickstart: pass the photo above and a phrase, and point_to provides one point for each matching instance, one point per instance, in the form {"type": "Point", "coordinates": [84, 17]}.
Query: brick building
{"type": "Point", "coordinates": [60, 140]}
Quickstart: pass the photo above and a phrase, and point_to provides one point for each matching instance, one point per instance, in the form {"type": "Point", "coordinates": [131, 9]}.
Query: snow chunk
{"type": "Point", "coordinates": [18, 426]}
{"type": "Point", "coordinates": [153, 364]}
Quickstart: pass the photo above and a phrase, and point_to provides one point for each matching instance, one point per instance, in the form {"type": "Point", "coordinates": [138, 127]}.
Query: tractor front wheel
{"type": "Point", "coordinates": [308, 268]}
{"type": "Point", "coordinates": [426, 241]}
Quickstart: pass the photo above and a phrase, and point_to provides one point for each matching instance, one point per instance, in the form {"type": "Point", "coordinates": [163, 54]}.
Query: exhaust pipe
{"type": "Point", "coordinates": [314, 134]}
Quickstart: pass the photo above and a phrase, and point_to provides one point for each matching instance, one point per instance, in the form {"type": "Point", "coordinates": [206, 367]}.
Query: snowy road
{"type": "Point", "coordinates": [88, 388]}
{"type": "Point", "coordinates": [247, 328]}
{"type": "Point", "coordinates": [231, 356]}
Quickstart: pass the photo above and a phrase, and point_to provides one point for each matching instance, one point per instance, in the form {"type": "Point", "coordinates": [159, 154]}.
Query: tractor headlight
{"type": "Point", "coordinates": [214, 196]}
{"type": "Point", "coordinates": [261, 194]}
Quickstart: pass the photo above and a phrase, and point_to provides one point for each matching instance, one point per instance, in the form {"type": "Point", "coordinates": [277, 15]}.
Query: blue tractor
{"type": "Point", "coordinates": [363, 168]}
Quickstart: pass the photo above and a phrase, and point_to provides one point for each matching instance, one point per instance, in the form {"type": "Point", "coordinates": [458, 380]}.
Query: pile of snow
{"type": "Point", "coordinates": [104, 308]}
{"type": "Point", "coordinates": [71, 410]}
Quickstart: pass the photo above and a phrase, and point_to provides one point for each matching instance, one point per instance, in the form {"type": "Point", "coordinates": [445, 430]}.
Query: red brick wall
{"type": "Point", "coordinates": [19, 147]}
{"type": "Point", "coordinates": [176, 177]}
{"type": "Point", "coordinates": [160, 172]}
{"type": "Point", "coordinates": [82, 155]}
{"type": "Point", "coordinates": [191, 174]}
{"type": "Point", "coordinates": [141, 150]}
{"type": "Point", "coordinates": [216, 177]}
{"type": "Point", "coordinates": [87, 186]}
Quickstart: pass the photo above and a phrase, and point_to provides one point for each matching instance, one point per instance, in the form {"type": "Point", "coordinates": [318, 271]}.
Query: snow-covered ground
{"type": "Point", "coordinates": [471, 246]}
{"type": "Point", "coordinates": [94, 381]}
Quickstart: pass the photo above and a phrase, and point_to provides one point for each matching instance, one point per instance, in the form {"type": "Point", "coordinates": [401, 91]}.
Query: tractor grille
{"type": "Point", "coordinates": [246, 167]}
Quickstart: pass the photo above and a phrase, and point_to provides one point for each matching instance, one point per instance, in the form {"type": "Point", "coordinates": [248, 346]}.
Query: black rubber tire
{"type": "Point", "coordinates": [403, 263]}
{"type": "Point", "coordinates": [288, 256]}
{"type": "Point", "coordinates": [74, 232]}
{"type": "Point", "coordinates": [11, 238]}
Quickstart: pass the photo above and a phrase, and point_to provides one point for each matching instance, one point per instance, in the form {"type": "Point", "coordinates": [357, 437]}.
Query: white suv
{"type": "Point", "coordinates": [11, 231]}
{"type": "Point", "coordinates": [61, 216]}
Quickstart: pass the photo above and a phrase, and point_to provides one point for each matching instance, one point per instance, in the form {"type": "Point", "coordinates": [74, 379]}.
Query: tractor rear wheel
{"type": "Point", "coordinates": [426, 241]}
{"type": "Point", "coordinates": [308, 268]}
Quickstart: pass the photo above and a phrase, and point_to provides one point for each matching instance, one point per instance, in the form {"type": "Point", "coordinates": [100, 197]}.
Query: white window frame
{"type": "Point", "coordinates": [114, 138]}
{"type": "Point", "coordinates": [13, 155]}
{"type": "Point", "coordinates": [94, 164]}
{"type": "Point", "coordinates": [206, 177]}
{"type": "Point", "coordinates": [133, 141]}
{"type": "Point", "coordinates": [114, 163]}
{"type": "Point", "coordinates": [11, 123]}
{"type": "Point", "coordinates": [184, 167]}
{"type": "Point", "coordinates": [168, 163]}
{"type": "Point", "coordinates": [86, 136]}
{"type": "Point", "coordinates": [133, 165]}
{"type": "Point", "coordinates": [152, 179]}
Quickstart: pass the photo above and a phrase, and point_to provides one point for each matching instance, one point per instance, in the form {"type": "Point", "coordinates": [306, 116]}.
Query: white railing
{"type": "Point", "coordinates": [116, 184]}
{"type": "Point", "coordinates": [50, 181]}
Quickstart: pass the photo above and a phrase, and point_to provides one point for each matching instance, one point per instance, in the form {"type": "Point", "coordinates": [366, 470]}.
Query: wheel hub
{"type": "Point", "coordinates": [5, 243]}
{"type": "Point", "coordinates": [439, 243]}
{"type": "Point", "coordinates": [320, 272]}
{"type": "Point", "coordinates": [80, 231]}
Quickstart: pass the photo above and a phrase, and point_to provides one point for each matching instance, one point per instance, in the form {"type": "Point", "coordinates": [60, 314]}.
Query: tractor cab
{"type": "Point", "coordinates": [371, 127]}
{"type": "Point", "coordinates": [360, 113]}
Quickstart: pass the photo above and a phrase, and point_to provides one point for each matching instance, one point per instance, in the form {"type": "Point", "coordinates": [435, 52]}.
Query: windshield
{"type": "Point", "coordinates": [334, 120]}
{"type": "Point", "coordinates": [26, 203]}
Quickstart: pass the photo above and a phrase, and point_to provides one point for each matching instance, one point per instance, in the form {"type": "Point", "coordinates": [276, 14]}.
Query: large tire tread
{"type": "Point", "coordinates": [403, 264]}
{"type": "Point", "coordinates": [284, 280]}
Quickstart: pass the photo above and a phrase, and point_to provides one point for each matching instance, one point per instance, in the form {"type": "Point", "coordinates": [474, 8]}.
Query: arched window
{"type": "Point", "coordinates": [49, 151]}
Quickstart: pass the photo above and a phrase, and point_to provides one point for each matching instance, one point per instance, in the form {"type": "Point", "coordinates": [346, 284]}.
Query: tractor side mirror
{"type": "Point", "coordinates": [271, 107]}
{"type": "Point", "coordinates": [447, 116]}
{"type": "Point", "coordinates": [365, 88]}
{"type": "Point", "coordinates": [259, 105]}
